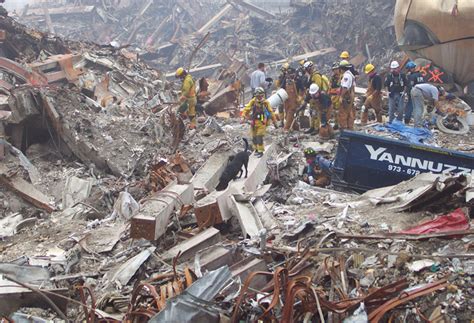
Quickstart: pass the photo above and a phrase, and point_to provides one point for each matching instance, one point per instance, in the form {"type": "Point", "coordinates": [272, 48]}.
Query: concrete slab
{"type": "Point", "coordinates": [207, 177]}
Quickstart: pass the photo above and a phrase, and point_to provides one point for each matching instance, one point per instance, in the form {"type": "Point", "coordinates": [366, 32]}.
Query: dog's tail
{"type": "Point", "coordinates": [246, 144]}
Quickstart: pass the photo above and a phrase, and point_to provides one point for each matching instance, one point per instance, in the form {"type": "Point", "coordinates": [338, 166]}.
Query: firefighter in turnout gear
{"type": "Point", "coordinates": [188, 98]}
{"type": "Point", "coordinates": [320, 104]}
{"type": "Point", "coordinates": [291, 104]}
{"type": "Point", "coordinates": [316, 77]}
{"type": "Point", "coordinates": [374, 95]}
{"type": "Point", "coordinates": [259, 112]}
{"type": "Point", "coordinates": [346, 98]}
{"type": "Point", "coordinates": [301, 80]}
{"type": "Point", "coordinates": [334, 92]}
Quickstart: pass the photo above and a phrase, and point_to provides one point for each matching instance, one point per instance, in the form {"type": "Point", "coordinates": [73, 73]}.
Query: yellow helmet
{"type": "Point", "coordinates": [179, 72]}
{"type": "Point", "coordinates": [285, 67]}
{"type": "Point", "coordinates": [302, 62]}
{"type": "Point", "coordinates": [345, 55]}
{"type": "Point", "coordinates": [369, 68]}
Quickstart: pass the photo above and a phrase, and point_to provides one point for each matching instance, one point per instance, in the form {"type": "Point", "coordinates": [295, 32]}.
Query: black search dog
{"type": "Point", "coordinates": [233, 170]}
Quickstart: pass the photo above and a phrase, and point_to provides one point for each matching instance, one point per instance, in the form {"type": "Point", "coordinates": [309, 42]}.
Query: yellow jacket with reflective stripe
{"type": "Point", "coordinates": [248, 110]}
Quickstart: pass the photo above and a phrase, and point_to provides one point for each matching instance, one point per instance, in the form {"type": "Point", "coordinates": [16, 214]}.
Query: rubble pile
{"type": "Point", "coordinates": [109, 206]}
{"type": "Point", "coordinates": [166, 33]}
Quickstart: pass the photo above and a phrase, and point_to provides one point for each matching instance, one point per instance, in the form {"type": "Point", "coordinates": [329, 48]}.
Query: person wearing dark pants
{"type": "Point", "coordinates": [395, 83]}
{"type": "Point", "coordinates": [414, 77]}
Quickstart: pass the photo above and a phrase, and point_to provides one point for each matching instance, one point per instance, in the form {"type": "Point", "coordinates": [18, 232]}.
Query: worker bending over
{"type": "Point", "coordinates": [419, 93]}
{"type": "Point", "coordinates": [259, 112]}
{"type": "Point", "coordinates": [313, 173]}
{"type": "Point", "coordinates": [320, 104]}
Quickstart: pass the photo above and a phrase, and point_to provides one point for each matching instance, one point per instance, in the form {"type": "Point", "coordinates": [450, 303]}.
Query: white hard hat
{"type": "Point", "coordinates": [308, 64]}
{"type": "Point", "coordinates": [394, 64]}
{"type": "Point", "coordinates": [313, 89]}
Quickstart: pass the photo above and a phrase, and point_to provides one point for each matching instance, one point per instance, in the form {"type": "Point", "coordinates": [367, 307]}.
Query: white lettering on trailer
{"type": "Point", "coordinates": [381, 154]}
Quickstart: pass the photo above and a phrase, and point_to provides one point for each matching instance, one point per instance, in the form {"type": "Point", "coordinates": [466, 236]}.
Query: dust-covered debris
{"type": "Point", "coordinates": [119, 204]}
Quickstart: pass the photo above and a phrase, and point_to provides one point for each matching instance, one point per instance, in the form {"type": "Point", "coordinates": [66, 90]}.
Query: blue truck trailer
{"type": "Point", "coordinates": [365, 162]}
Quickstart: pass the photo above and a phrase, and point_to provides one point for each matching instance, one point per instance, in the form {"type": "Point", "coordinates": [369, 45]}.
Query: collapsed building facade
{"type": "Point", "coordinates": [109, 209]}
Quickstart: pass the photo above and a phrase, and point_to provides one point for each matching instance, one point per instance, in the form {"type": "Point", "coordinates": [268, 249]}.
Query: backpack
{"type": "Point", "coordinates": [395, 84]}
{"type": "Point", "coordinates": [325, 83]}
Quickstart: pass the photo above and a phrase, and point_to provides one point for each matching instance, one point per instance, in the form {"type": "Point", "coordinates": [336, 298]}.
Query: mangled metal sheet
{"type": "Point", "coordinates": [439, 30]}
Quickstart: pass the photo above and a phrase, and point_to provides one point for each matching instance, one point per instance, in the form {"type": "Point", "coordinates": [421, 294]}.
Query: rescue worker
{"type": "Point", "coordinates": [346, 113]}
{"type": "Point", "coordinates": [260, 113]}
{"type": "Point", "coordinates": [374, 94]}
{"type": "Point", "coordinates": [419, 93]}
{"type": "Point", "coordinates": [320, 104]}
{"type": "Point", "coordinates": [301, 79]}
{"type": "Point", "coordinates": [395, 82]}
{"type": "Point", "coordinates": [283, 73]}
{"type": "Point", "coordinates": [291, 104]}
{"type": "Point", "coordinates": [188, 96]}
{"type": "Point", "coordinates": [346, 56]}
{"type": "Point", "coordinates": [316, 77]}
{"type": "Point", "coordinates": [414, 77]}
{"type": "Point", "coordinates": [334, 92]}
{"type": "Point", "coordinates": [312, 173]}
{"type": "Point", "coordinates": [258, 79]}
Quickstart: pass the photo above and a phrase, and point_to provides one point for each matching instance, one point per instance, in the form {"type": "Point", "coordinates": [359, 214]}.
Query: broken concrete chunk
{"type": "Point", "coordinates": [76, 190]}
{"type": "Point", "coordinates": [419, 265]}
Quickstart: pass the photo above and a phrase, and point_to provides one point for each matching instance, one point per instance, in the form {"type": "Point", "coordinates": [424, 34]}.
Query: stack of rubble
{"type": "Point", "coordinates": [109, 209]}
{"type": "Point", "coordinates": [166, 32]}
